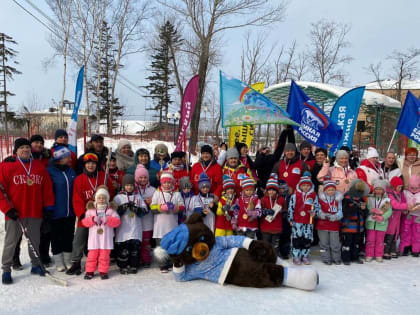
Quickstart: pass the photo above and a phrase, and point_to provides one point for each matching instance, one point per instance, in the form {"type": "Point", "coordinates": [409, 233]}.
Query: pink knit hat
{"type": "Point", "coordinates": [140, 172]}
{"type": "Point", "coordinates": [414, 183]}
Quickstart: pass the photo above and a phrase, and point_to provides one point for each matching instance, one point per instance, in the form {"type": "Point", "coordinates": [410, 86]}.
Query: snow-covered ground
{"type": "Point", "coordinates": [387, 288]}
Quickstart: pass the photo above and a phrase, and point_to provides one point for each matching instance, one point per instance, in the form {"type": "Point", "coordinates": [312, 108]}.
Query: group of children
{"type": "Point", "coordinates": [142, 212]}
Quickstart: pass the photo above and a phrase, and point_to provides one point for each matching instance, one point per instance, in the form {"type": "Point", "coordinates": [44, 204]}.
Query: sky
{"type": "Point", "coordinates": [377, 28]}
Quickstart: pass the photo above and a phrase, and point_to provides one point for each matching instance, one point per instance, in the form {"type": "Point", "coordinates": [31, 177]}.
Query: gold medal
{"type": "Point", "coordinates": [347, 181]}
{"type": "Point", "coordinates": [131, 215]}
{"type": "Point", "coordinates": [302, 213]}
{"type": "Point", "coordinates": [100, 231]}
{"type": "Point", "coordinates": [285, 174]}
{"type": "Point", "coordinates": [29, 182]}
{"type": "Point", "coordinates": [245, 216]}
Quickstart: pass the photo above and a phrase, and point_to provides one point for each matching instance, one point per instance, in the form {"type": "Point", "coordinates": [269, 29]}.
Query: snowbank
{"type": "Point", "coordinates": [388, 288]}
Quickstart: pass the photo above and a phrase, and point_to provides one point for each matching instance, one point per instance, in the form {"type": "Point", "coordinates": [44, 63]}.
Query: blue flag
{"type": "Point", "coordinates": [315, 126]}
{"type": "Point", "coordinates": [241, 105]}
{"type": "Point", "coordinates": [72, 127]}
{"type": "Point", "coordinates": [344, 113]}
{"type": "Point", "coordinates": [409, 122]}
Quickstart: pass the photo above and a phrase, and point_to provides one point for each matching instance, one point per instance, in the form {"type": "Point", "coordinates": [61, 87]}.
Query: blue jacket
{"type": "Point", "coordinates": [216, 267]}
{"type": "Point", "coordinates": [63, 190]}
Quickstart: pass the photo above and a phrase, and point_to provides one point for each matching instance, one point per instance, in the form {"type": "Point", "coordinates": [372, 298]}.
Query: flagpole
{"type": "Point", "coordinates": [392, 139]}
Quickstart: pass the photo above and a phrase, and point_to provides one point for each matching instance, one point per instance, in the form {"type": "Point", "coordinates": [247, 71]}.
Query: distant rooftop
{"type": "Point", "coordinates": [389, 84]}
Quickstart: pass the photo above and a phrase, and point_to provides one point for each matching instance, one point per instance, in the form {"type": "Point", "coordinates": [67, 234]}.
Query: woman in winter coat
{"type": "Point", "coordinates": [124, 155]}
{"type": "Point", "coordinates": [390, 166]}
{"type": "Point", "coordinates": [340, 172]}
{"type": "Point", "coordinates": [410, 165]}
{"type": "Point", "coordinates": [246, 160]}
{"type": "Point", "coordinates": [320, 158]}
{"type": "Point", "coordinates": [62, 223]}
{"type": "Point", "coordinates": [142, 156]}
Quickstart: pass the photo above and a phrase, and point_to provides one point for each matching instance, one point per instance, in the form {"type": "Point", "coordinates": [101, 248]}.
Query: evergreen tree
{"type": "Point", "coordinates": [102, 84]}
{"type": "Point", "coordinates": [159, 81]}
{"type": "Point", "coordinates": [7, 56]}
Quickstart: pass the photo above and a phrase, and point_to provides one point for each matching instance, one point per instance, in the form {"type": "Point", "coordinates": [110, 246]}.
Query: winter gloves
{"type": "Point", "coordinates": [130, 206]}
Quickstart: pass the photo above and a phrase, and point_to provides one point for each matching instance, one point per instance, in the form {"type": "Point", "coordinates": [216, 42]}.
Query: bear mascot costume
{"type": "Point", "coordinates": [197, 254]}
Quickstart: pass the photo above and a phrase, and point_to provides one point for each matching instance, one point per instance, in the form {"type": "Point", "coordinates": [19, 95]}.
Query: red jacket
{"type": "Point", "coordinates": [214, 172]}
{"type": "Point", "coordinates": [291, 173]}
{"type": "Point", "coordinates": [324, 224]}
{"type": "Point", "coordinates": [221, 222]}
{"type": "Point", "coordinates": [301, 213]}
{"type": "Point", "coordinates": [368, 173]}
{"type": "Point", "coordinates": [29, 201]}
{"type": "Point", "coordinates": [116, 175]}
{"type": "Point", "coordinates": [234, 173]}
{"type": "Point", "coordinates": [178, 174]}
{"type": "Point", "coordinates": [84, 192]}
{"type": "Point", "coordinates": [275, 226]}
{"type": "Point", "coordinates": [244, 220]}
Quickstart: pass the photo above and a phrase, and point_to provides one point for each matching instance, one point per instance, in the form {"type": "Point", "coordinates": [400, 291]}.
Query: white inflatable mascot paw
{"type": "Point", "coordinates": [301, 278]}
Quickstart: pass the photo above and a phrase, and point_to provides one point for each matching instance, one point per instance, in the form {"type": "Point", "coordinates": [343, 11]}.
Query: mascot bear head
{"type": "Point", "coordinates": [187, 243]}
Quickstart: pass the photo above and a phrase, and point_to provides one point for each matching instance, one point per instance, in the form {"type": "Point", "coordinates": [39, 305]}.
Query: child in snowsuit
{"type": "Point", "coordinates": [177, 167]}
{"type": "Point", "coordinates": [101, 220]}
{"type": "Point", "coordinates": [204, 203]}
{"type": "Point", "coordinates": [303, 206]}
{"type": "Point", "coordinates": [131, 208]}
{"type": "Point", "coordinates": [399, 204]}
{"type": "Point", "coordinates": [352, 224]}
{"type": "Point", "coordinates": [328, 223]}
{"type": "Point", "coordinates": [141, 177]}
{"type": "Point", "coordinates": [185, 188]}
{"type": "Point", "coordinates": [249, 209]}
{"type": "Point", "coordinates": [226, 208]}
{"type": "Point", "coordinates": [235, 169]}
{"type": "Point", "coordinates": [166, 203]}
{"type": "Point", "coordinates": [272, 203]}
{"type": "Point", "coordinates": [410, 227]}
{"type": "Point", "coordinates": [380, 210]}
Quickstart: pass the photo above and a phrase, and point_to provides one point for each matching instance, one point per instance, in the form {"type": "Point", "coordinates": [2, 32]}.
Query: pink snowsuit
{"type": "Point", "coordinates": [101, 226]}
{"type": "Point", "coordinates": [399, 205]}
{"type": "Point", "coordinates": [410, 225]}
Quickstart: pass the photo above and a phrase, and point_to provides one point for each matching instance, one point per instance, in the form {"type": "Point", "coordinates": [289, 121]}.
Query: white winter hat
{"type": "Point", "coordinates": [372, 153]}
{"type": "Point", "coordinates": [102, 191]}
{"type": "Point", "coordinates": [122, 143]}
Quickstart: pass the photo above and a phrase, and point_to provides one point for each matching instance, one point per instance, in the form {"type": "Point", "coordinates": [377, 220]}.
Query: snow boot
{"type": "Point", "coordinates": [37, 270]}
{"type": "Point", "coordinates": [337, 262]}
{"type": "Point", "coordinates": [297, 261]}
{"type": "Point", "coordinates": [6, 277]}
{"type": "Point", "coordinates": [387, 256]}
{"type": "Point", "coordinates": [16, 264]}
{"type": "Point", "coordinates": [369, 259]}
{"type": "Point", "coordinates": [104, 275]}
{"type": "Point", "coordinates": [124, 271]}
{"type": "Point", "coordinates": [300, 278]}
{"type": "Point", "coordinates": [328, 263]}
{"type": "Point", "coordinates": [306, 261]}
{"type": "Point", "coordinates": [59, 262]}
{"type": "Point", "coordinates": [132, 270]}
{"type": "Point", "coordinates": [75, 269]}
{"type": "Point", "coordinates": [67, 260]}
{"type": "Point", "coordinates": [406, 251]}
{"type": "Point", "coordinates": [415, 254]}
{"type": "Point", "coordinates": [89, 275]}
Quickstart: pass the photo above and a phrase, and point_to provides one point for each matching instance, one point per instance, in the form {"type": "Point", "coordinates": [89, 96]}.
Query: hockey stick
{"type": "Point", "coordinates": [30, 245]}
{"type": "Point", "coordinates": [108, 160]}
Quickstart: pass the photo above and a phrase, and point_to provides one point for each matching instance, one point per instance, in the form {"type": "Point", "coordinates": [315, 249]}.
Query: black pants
{"type": "Point", "coordinates": [129, 254]}
{"type": "Point", "coordinates": [284, 241]}
{"type": "Point", "coordinates": [45, 241]}
{"type": "Point", "coordinates": [273, 239]}
{"type": "Point", "coordinates": [390, 244]}
{"type": "Point", "coordinates": [350, 248]}
{"type": "Point", "coordinates": [62, 232]}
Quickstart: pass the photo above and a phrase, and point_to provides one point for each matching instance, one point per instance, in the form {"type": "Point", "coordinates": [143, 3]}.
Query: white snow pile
{"type": "Point", "coordinates": [387, 288]}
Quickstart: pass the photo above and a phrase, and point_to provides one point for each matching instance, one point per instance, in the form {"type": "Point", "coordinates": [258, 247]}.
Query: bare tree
{"type": "Point", "coordinates": [376, 71]}
{"type": "Point", "coordinates": [300, 66]}
{"type": "Point", "coordinates": [60, 38]}
{"type": "Point", "coordinates": [327, 53]}
{"type": "Point", "coordinates": [404, 67]}
{"type": "Point", "coordinates": [127, 21]}
{"type": "Point", "coordinates": [208, 19]}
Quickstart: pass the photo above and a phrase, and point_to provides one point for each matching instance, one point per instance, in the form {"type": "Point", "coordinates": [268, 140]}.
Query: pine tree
{"type": "Point", "coordinates": [101, 85]}
{"type": "Point", "coordinates": [160, 81]}
{"type": "Point", "coordinates": [7, 55]}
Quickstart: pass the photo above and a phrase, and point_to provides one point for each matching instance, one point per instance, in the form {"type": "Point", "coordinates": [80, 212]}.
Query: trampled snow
{"type": "Point", "coordinates": [372, 288]}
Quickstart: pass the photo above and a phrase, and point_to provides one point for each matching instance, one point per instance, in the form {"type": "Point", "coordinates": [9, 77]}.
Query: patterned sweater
{"type": "Point", "coordinates": [216, 267]}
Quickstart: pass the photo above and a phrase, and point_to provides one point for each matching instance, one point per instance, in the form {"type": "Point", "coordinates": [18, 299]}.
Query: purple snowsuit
{"type": "Point", "coordinates": [410, 224]}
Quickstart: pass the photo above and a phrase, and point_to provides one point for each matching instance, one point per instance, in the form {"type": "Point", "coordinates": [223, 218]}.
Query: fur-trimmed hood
{"type": "Point", "coordinates": [338, 196]}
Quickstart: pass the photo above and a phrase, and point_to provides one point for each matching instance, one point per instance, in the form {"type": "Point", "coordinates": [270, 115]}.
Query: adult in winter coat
{"type": "Point", "coordinates": [207, 165]}
{"type": "Point", "coordinates": [320, 158]}
{"type": "Point", "coordinates": [28, 187]}
{"type": "Point", "coordinates": [410, 165]}
{"type": "Point", "coordinates": [353, 160]}
{"type": "Point", "coordinates": [38, 150]}
{"type": "Point", "coordinates": [177, 168]}
{"type": "Point", "coordinates": [142, 156]}
{"type": "Point", "coordinates": [264, 161]}
{"type": "Point", "coordinates": [96, 146]}
{"type": "Point", "coordinates": [370, 168]}
{"type": "Point", "coordinates": [85, 186]}
{"type": "Point", "coordinates": [306, 155]}
{"type": "Point", "coordinates": [61, 138]}
{"type": "Point", "coordinates": [390, 166]}
{"type": "Point", "coordinates": [340, 172]}
{"type": "Point", "coordinates": [124, 155]}
{"type": "Point", "coordinates": [246, 160]}
{"type": "Point", "coordinates": [235, 169]}
{"type": "Point", "coordinates": [291, 167]}
{"type": "Point", "coordinates": [62, 223]}
{"type": "Point", "coordinates": [161, 158]}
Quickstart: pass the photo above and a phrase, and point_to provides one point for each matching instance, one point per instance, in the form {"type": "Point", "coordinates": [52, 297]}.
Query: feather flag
{"type": "Point", "coordinates": [72, 127]}
{"type": "Point", "coordinates": [241, 105]}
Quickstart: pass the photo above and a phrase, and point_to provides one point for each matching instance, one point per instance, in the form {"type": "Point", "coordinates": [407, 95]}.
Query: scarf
{"type": "Point", "coordinates": [124, 161]}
